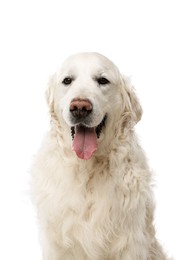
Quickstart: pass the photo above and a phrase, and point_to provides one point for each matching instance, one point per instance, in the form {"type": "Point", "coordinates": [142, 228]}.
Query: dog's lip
{"type": "Point", "coordinates": [98, 128]}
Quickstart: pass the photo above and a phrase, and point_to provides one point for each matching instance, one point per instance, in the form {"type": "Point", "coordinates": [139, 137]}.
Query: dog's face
{"type": "Point", "coordinates": [88, 94]}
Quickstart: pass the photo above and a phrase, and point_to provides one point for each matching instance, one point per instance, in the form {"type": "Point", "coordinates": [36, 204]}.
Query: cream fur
{"type": "Point", "coordinates": [102, 208]}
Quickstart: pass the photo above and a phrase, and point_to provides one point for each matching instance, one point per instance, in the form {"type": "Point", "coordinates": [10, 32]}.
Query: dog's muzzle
{"type": "Point", "coordinates": [84, 137]}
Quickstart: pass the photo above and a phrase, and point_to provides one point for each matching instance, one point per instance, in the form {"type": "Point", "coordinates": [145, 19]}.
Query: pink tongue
{"type": "Point", "coordinates": [85, 142]}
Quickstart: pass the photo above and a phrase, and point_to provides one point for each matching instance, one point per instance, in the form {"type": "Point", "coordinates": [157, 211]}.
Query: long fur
{"type": "Point", "coordinates": [102, 208]}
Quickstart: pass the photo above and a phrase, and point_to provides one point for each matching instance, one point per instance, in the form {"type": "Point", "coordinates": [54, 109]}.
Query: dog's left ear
{"type": "Point", "coordinates": [50, 93]}
{"type": "Point", "coordinates": [132, 106]}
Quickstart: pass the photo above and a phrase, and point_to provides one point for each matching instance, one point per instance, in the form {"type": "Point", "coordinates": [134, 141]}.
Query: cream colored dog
{"type": "Point", "coordinates": [91, 182]}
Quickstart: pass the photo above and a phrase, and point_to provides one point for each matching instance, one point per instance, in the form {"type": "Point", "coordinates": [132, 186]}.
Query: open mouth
{"type": "Point", "coordinates": [98, 129]}
{"type": "Point", "coordinates": [85, 139]}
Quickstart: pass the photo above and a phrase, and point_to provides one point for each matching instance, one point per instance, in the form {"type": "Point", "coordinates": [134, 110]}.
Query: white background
{"type": "Point", "coordinates": [147, 40]}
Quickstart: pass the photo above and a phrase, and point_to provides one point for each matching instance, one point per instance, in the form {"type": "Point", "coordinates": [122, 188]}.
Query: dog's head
{"type": "Point", "coordinates": [89, 95]}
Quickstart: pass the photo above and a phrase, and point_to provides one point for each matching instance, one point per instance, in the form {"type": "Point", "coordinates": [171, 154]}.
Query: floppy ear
{"type": "Point", "coordinates": [132, 106]}
{"type": "Point", "coordinates": [50, 93]}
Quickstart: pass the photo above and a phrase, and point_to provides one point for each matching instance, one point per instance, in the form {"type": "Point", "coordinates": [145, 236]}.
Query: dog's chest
{"type": "Point", "coordinates": [89, 207]}
{"type": "Point", "coordinates": [84, 204]}
{"type": "Point", "coordinates": [85, 198]}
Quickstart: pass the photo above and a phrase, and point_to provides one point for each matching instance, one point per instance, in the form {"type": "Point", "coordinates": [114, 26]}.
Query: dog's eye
{"type": "Point", "coordinates": [67, 81]}
{"type": "Point", "coordinates": [103, 81]}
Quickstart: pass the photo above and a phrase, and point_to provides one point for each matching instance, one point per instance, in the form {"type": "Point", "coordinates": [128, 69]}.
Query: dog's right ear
{"type": "Point", "coordinates": [50, 93]}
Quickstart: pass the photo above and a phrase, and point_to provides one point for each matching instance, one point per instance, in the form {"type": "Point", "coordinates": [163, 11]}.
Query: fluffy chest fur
{"type": "Point", "coordinates": [92, 205]}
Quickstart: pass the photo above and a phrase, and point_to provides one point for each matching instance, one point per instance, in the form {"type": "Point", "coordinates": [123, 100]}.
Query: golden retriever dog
{"type": "Point", "coordinates": [90, 181]}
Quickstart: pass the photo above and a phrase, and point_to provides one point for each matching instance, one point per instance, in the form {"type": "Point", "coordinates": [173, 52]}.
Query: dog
{"type": "Point", "coordinates": [91, 182]}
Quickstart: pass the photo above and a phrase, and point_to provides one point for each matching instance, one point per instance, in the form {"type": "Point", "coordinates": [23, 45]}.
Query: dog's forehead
{"type": "Point", "coordinates": [88, 63]}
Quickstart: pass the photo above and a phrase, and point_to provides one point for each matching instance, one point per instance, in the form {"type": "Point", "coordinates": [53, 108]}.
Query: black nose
{"type": "Point", "coordinates": [80, 108]}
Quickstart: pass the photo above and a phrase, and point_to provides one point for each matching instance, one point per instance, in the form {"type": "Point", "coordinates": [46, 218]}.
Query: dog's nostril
{"type": "Point", "coordinates": [73, 107]}
{"type": "Point", "coordinates": [80, 107]}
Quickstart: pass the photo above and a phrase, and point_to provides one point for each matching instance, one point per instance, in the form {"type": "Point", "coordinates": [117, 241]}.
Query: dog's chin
{"type": "Point", "coordinates": [85, 139]}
